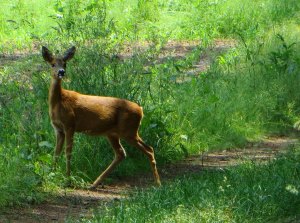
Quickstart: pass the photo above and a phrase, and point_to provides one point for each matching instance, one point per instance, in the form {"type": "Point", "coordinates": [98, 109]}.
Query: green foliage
{"type": "Point", "coordinates": [78, 20]}
{"type": "Point", "coordinates": [18, 179]}
{"type": "Point", "coordinates": [249, 91]}
{"type": "Point", "coordinates": [23, 22]}
{"type": "Point", "coordinates": [247, 193]}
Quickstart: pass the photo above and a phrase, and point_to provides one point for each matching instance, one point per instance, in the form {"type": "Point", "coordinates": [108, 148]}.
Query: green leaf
{"type": "Point", "coordinates": [45, 144]}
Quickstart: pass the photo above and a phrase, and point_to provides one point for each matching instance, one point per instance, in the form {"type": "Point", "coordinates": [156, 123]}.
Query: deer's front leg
{"type": "Point", "coordinates": [69, 146]}
{"type": "Point", "coordinates": [60, 139]}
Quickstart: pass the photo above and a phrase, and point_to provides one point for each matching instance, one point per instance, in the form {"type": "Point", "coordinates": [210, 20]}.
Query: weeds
{"type": "Point", "coordinates": [247, 193]}
{"type": "Point", "coordinates": [249, 91]}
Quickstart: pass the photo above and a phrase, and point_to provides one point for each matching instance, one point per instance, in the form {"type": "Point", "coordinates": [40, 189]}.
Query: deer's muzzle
{"type": "Point", "coordinates": [61, 73]}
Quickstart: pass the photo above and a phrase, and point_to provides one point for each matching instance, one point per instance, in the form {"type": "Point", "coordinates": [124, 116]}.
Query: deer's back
{"type": "Point", "coordinates": [97, 115]}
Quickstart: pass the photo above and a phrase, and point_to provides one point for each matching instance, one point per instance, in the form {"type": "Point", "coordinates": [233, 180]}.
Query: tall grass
{"type": "Point", "coordinates": [249, 91]}
{"type": "Point", "coordinates": [42, 21]}
{"type": "Point", "coordinates": [24, 23]}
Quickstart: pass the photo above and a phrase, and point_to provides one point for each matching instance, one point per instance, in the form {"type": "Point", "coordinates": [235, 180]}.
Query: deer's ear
{"type": "Point", "coordinates": [69, 54]}
{"type": "Point", "coordinates": [47, 55]}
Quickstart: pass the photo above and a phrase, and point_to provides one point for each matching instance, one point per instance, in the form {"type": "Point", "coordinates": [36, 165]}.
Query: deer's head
{"type": "Point", "coordinates": [58, 64]}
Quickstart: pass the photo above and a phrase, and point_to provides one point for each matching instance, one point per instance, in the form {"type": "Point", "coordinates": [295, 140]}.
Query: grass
{"type": "Point", "coordinates": [137, 19]}
{"type": "Point", "coordinates": [249, 91]}
{"type": "Point", "coordinates": [249, 192]}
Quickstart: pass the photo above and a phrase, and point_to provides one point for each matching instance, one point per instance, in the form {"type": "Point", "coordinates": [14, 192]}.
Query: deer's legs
{"type": "Point", "coordinates": [148, 150]}
{"type": "Point", "coordinates": [69, 146]}
{"type": "Point", "coordinates": [120, 154]}
{"type": "Point", "coordinates": [60, 139]}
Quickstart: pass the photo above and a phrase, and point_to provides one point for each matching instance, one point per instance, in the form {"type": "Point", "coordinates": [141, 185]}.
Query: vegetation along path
{"type": "Point", "coordinates": [79, 203]}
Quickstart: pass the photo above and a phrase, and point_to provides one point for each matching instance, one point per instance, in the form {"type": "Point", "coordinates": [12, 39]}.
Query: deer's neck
{"type": "Point", "coordinates": [55, 92]}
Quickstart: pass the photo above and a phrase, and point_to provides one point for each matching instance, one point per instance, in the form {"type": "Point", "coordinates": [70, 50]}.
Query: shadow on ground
{"type": "Point", "coordinates": [79, 203]}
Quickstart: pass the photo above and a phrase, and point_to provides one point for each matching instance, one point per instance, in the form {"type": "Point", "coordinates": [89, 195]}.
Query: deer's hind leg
{"type": "Point", "coordinates": [120, 154]}
{"type": "Point", "coordinates": [148, 150]}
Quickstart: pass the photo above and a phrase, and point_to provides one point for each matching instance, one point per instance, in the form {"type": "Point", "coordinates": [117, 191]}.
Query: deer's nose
{"type": "Point", "coordinates": [61, 72]}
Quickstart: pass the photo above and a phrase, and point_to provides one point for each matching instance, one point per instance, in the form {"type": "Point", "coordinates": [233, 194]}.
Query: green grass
{"type": "Point", "coordinates": [248, 92]}
{"type": "Point", "coordinates": [65, 20]}
{"type": "Point", "coordinates": [249, 192]}
{"type": "Point", "coordinates": [244, 95]}
{"type": "Point", "coordinates": [23, 23]}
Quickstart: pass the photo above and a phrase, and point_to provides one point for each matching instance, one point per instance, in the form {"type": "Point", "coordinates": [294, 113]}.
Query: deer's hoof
{"type": "Point", "coordinates": [92, 188]}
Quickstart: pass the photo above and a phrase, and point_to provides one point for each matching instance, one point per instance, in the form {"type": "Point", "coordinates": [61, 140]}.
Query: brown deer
{"type": "Point", "coordinates": [72, 112]}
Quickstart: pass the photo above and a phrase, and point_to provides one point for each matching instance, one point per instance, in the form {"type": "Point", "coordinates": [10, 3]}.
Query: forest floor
{"type": "Point", "coordinates": [80, 203]}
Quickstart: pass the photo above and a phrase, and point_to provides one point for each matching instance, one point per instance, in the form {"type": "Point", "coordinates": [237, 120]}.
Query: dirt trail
{"type": "Point", "coordinates": [178, 50]}
{"type": "Point", "coordinates": [175, 50]}
{"type": "Point", "coordinates": [80, 203]}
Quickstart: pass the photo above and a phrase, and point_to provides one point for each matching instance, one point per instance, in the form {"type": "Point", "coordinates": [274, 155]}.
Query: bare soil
{"type": "Point", "coordinates": [178, 50]}
{"type": "Point", "coordinates": [79, 203]}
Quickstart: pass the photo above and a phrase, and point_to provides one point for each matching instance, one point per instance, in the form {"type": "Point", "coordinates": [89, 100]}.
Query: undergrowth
{"type": "Point", "coordinates": [250, 192]}
{"type": "Point", "coordinates": [249, 91]}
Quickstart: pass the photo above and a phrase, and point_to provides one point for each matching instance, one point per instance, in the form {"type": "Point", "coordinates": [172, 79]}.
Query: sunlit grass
{"type": "Point", "coordinates": [250, 91]}
{"type": "Point", "coordinates": [246, 193]}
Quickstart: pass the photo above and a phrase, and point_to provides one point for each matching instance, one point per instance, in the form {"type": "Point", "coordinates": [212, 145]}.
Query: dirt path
{"type": "Point", "coordinates": [178, 50]}
{"type": "Point", "coordinates": [80, 203]}
{"type": "Point", "coordinates": [175, 50]}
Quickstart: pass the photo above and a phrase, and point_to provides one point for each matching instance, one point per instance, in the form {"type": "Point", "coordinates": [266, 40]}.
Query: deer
{"type": "Point", "coordinates": [114, 118]}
